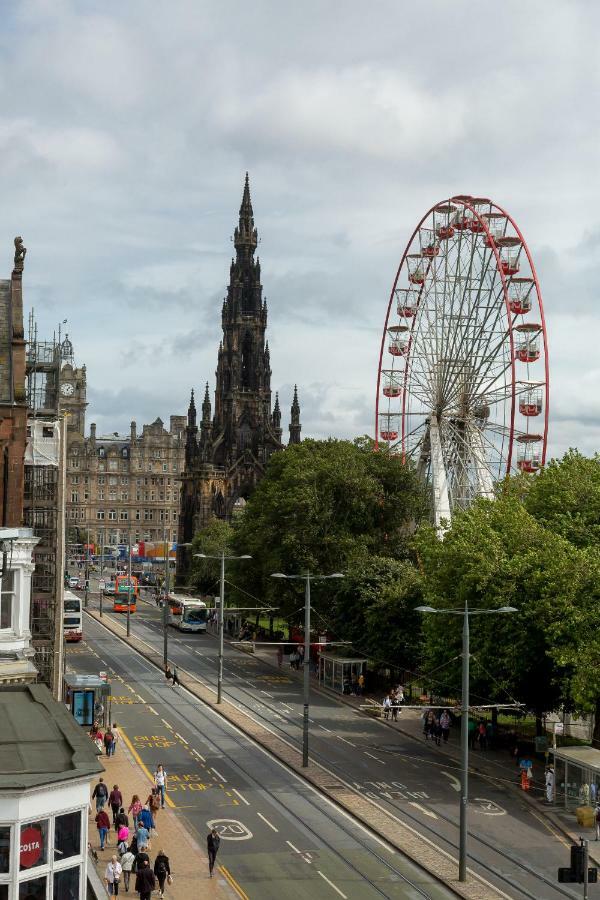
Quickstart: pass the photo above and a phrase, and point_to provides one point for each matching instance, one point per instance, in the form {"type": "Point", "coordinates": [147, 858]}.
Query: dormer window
{"type": "Point", "coordinates": [101, 452]}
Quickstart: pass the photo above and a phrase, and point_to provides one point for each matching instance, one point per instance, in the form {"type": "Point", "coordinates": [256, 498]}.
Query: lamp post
{"type": "Point", "coordinates": [307, 578]}
{"type": "Point", "coordinates": [87, 569]}
{"type": "Point", "coordinates": [165, 607]}
{"type": "Point", "coordinates": [130, 593]}
{"type": "Point", "coordinates": [222, 558]}
{"type": "Point", "coordinates": [464, 721]}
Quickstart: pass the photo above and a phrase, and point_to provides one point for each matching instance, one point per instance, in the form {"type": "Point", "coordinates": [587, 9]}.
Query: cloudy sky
{"type": "Point", "coordinates": [126, 130]}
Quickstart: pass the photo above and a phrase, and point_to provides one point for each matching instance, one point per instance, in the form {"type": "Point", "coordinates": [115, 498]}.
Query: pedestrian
{"type": "Point", "coordinates": [293, 659]}
{"type": "Point", "coordinates": [145, 882]}
{"type": "Point", "coordinates": [395, 708]}
{"type": "Point", "coordinates": [153, 802]}
{"type": "Point", "coordinates": [140, 858]}
{"type": "Point", "coordinates": [482, 735]}
{"type": "Point", "coordinates": [168, 673]}
{"type": "Point", "coordinates": [387, 705]}
{"type": "Point", "coordinates": [354, 686]}
{"type": "Point", "coordinates": [212, 842]}
{"type": "Point", "coordinates": [445, 723]}
{"type": "Point", "coordinates": [121, 819]}
{"type": "Point", "coordinates": [135, 808]}
{"type": "Point", "coordinates": [160, 781]}
{"type": "Point", "coordinates": [100, 794]}
{"type": "Point", "coordinates": [550, 789]}
{"type": "Point", "coordinates": [127, 861]}
{"type": "Point", "coordinates": [108, 739]}
{"type": "Point", "coordinates": [361, 684]}
{"type": "Point", "coordinates": [142, 837]}
{"type": "Point", "coordinates": [162, 870]}
{"type": "Point", "coordinates": [301, 655]}
{"type": "Point", "coordinates": [116, 801]}
{"type": "Point", "coordinates": [116, 738]}
{"type": "Point", "coordinates": [437, 731]}
{"type": "Point", "coordinates": [598, 822]}
{"type": "Point", "coordinates": [429, 723]}
{"type": "Point", "coordinates": [279, 655]}
{"type": "Point", "coordinates": [176, 680]}
{"type": "Point", "coordinates": [112, 876]}
{"type": "Point", "coordinates": [103, 826]}
{"type": "Point", "coordinates": [122, 838]}
{"type": "Point", "coordinates": [146, 818]}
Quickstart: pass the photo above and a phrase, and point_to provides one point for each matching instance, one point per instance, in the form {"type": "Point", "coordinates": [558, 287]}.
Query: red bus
{"type": "Point", "coordinates": [124, 590]}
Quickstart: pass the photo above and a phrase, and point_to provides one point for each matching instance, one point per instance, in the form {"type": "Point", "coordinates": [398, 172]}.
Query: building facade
{"type": "Point", "coordinates": [226, 456]}
{"type": "Point", "coordinates": [123, 486]}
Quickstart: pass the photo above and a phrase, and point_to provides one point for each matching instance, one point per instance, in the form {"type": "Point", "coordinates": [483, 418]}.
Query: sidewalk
{"type": "Point", "coordinates": [497, 764]}
{"type": "Point", "coordinates": [188, 860]}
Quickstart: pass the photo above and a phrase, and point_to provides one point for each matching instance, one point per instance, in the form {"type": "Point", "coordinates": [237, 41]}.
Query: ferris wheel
{"type": "Point", "coordinates": [462, 384]}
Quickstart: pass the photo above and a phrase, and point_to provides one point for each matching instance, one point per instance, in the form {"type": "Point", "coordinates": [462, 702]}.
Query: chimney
{"type": "Point", "coordinates": [133, 432]}
{"type": "Point", "coordinates": [93, 433]}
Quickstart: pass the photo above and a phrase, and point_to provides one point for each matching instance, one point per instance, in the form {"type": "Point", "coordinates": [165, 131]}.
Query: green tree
{"type": "Point", "coordinates": [212, 540]}
{"type": "Point", "coordinates": [565, 496]}
{"type": "Point", "coordinates": [320, 505]}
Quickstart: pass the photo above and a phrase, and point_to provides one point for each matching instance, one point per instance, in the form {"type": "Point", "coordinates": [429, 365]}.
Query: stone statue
{"type": "Point", "coordinates": [20, 252]}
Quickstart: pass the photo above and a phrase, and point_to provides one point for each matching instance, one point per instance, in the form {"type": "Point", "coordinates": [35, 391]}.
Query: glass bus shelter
{"type": "Point", "coordinates": [336, 672]}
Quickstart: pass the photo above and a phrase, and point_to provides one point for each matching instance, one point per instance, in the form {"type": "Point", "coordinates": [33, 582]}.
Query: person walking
{"type": "Point", "coordinates": [127, 861]}
{"type": "Point", "coordinates": [162, 870]}
{"type": "Point", "coordinates": [445, 724]}
{"type": "Point", "coordinates": [168, 673]}
{"type": "Point", "coordinates": [176, 681]}
{"type": "Point", "coordinates": [116, 801]}
{"type": "Point", "coordinates": [122, 839]}
{"type": "Point", "coordinates": [550, 791]}
{"type": "Point", "coordinates": [103, 826]}
{"type": "Point", "coordinates": [121, 819]}
{"type": "Point", "coordinates": [145, 881]}
{"type": "Point", "coordinates": [142, 837]}
{"type": "Point", "coordinates": [135, 808]}
{"type": "Point", "coordinates": [112, 877]}
{"type": "Point", "coordinates": [153, 802]}
{"type": "Point", "coordinates": [387, 705]}
{"type": "Point", "coordinates": [160, 781]}
{"type": "Point", "coordinates": [146, 818]}
{"type": "Point", "coordinates": [108, 739]}
{"type": "Point", "coordinates": [361, 684]}
{"type": "Point", "coordinates": [395, 708]}
{"type": "Point", "coordinates": [213, 842]}
{"type": "Point", "coordinates": [116, 738]}
{"type": "Point", "coordinates": [100, 794]}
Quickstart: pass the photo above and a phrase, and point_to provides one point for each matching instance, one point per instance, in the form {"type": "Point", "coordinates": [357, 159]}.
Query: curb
{"type": "Point", "coordinates": [438, 863]}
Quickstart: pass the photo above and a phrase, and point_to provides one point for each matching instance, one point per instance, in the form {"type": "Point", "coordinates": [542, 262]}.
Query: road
{"type": "Point", "coordinates": [281, 839]}
{"type": "Point", "coordinates": [511, 845]}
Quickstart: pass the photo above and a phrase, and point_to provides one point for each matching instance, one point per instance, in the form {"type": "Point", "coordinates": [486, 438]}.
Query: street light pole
{"type": "Point", "coordinates": [464, 722]}
{"type": "Point", "coordinates": [464, 748]}
{"type": "Point", "coordinates": [306, 577]}
{"type": "Point", "coordinates": [165, 609]}
{"type": "Point", "coordinates": [221, 615]}
{"type": "Point", "coordinates": [129, 585]}
{"type": "Point", "coordinates": [87, 569]}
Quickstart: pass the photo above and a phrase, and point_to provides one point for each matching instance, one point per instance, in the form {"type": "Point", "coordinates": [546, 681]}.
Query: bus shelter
{"type": "Point", "coordinates": [339, 672]}
{"type": "Point", "coordinates": [87, 697]}
{"type": "Point", "coordinates": [576, 776]}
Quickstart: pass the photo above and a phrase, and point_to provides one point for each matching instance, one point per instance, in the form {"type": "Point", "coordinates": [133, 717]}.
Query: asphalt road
{"type": "Point", "coordinates": [280, 838]}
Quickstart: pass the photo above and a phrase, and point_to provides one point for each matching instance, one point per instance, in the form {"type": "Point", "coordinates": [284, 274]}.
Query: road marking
{"type": "Point", "coordinates": [231, 880]}
{"type": "Point", "coordinates": [141, 699]}
{"type": "Point", "coordinates": [323, 727]}
{"type": "Point", "coordinates": [552, 831]}
{"type": "Point", "coordinates": [242, 798]}
{"type": "Point", "coordinates": [222, 777]}
{"type": "Point", "coordinates": [180, 737]}
{"type": "Point", "coordinates": [344, 740]}
{"type": "Point", "coordinates": [489, 808]}
{"type": "Point", "coordinates": [151, 708]}
{"type": "Point", "coordinates": [374, 757]}
{"type": "Point", "coordinates": [264, 818]}
{"type": "Point", "coordinates": [166, 724]}
{"type": "Point", "coordinates": [428, 812]}
{"type": "Point", "coordinates": [231, 829]}
{"type": "Point", "coordinates": [455, 782]}
{"type": "Point", "coordinates": [295, 849]}
{"type": "Point", "coordinates": [144, 767]}
{"type": "Point", "coordinates": [331, 884]}
{"type": "Point", "coordinates": [199, 755]}
{"type": "Point", "coordinates": [266, 693]}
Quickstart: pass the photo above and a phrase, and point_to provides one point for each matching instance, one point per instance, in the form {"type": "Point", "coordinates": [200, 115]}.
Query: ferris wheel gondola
{"type": "Point", "coordinates": [463, 377]}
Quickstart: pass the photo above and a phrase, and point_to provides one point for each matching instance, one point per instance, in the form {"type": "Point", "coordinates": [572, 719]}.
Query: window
{"type": "Point", "coordinates": [7, 594]}
{"type": "Point", "coordinates": [67, 837]}
{"type": "Point", "coordinates": [125, 453]}
{"type": "Point", "coordinates": [75, 479]}
{"type": "Point", "coordinates": [101, 452]}
{"type": "Point", "coordinates": [66, 883]}
{"type": "Point", "coordinates": [112, 514]}
{"type": "Point", "coordinates": [113, 465]}
{"type": "Point", "coordinates": [34, 845]}
{"type": "Point", "coordinates": [148, 515]}
{"type": "Point", "coordinates": [99, 513]}
{"type": "Point", "coordinates": [34, 889]}
{"type": "Point", "coordinates": [86, 495]}
{"type": "Point", "coordinates": [138, 514]}
{"type": "Point", "coordinates": [101, 479]}
{"type": "Point", "coordinates": [124, 515]}
{"type": "Point", "coordinates": [74, 463]}
{"type": "Point", "coordinates": [138, 495]}
{"type": "Point", "coordinates": [74, 497]}
{"type": "Point", "coordinates": [124, 495]}
{"type": "Point", "coordinates": [174, 516]}
{"type": "Point", "coordinates": [165, 467]}
{"type": "Point", "coordinates": [101, 467]}
{"type": "Point", "coordinates": [112, 479]}
{"type": "Point", "coordinates": [4, 848]}
{"type": "Point", "coordinates": [124, 479]}
{"type": "Point", "coordinates": [100, 495]}
{"type": "Point", "coordinates": [112, 495]}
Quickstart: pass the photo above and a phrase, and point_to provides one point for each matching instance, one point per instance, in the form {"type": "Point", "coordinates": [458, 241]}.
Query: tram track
{"type": "Point", "coordinates": [326, 762]}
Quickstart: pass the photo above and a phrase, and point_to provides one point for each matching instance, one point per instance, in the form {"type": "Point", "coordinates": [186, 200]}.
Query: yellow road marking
{"type": "Point", "coordinates": [237, 888]}
{"type": "Point", "coordinates": [552, 831]}
{"type": "Point", "coordinates": [144, 767]}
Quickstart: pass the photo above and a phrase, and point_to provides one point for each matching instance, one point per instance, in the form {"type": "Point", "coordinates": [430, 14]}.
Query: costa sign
{"type": "Point", "coordinates": [31, 847]}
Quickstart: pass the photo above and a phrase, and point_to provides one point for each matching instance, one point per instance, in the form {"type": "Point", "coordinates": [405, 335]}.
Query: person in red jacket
{"type": "Point", "coordinates": [116, 801]}
{"type": "Point", "coordinates": [103, 826]}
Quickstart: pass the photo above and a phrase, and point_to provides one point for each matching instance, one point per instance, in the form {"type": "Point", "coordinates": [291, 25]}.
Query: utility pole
{"type": "Point", "coordinates": [165, 609]}
{"type": "Point", "coordinates": [129, 585]}
{"type": "Point", "coordinates": [464, 750]}
{"type": "Point", "coordinates": [87, 569]}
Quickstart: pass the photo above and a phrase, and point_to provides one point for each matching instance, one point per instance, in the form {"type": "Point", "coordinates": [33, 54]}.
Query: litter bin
{"type": "Point", "coordinates": [586, 816]}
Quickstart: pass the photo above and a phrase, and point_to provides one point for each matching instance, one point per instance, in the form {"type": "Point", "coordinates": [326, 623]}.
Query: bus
{"type": "Point", "coordinates": [122, 590]}
{"type": "Point", "coordinates": [72, 617]}
{"type": "Point", "coordinates": [187, 613]}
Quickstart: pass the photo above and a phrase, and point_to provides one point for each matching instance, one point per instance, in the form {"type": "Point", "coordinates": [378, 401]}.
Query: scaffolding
{"type": "Point", "coordinates": [43, 507]}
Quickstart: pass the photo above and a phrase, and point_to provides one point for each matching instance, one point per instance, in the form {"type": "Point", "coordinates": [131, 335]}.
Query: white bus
{"type": "Point", "coordinates": [187, 613]}
{"type": "Point", "coordinates": [73, 617]}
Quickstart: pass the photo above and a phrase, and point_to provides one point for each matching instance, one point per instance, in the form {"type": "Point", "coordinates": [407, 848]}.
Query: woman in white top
{"type": "Point", "coordinates": [112, 876]}
{"type": "Point", "coordinates": [127, 861]}
{"type": "Point", "coordinates": [160, 780]}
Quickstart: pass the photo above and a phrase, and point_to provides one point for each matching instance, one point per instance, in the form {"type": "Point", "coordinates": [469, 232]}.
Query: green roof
{"type": "Point", "coordinates": [40, 741]}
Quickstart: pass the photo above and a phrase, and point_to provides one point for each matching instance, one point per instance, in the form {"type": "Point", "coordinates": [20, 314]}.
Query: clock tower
{"type": "Point", "coordinates": [72, 391]}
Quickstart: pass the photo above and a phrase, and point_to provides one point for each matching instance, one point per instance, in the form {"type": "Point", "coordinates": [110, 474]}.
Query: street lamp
{"type": "Point", "coordinates": [464, 722]}
{"type": "Point", "coordinates": [307, 578]}
{"type": "Point", "coordinates": [222, 558]}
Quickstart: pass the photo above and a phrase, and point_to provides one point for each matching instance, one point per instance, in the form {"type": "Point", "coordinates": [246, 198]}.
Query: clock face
{"type": "Point", "coordinates": [67, 389]}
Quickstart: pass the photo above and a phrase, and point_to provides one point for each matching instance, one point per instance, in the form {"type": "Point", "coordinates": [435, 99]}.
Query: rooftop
{"type": "Point", "coordinates": [40, 742]}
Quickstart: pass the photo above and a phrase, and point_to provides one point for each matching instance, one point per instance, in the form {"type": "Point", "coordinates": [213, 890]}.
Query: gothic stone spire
{"type": "Point", "coordinates": [295, 426]}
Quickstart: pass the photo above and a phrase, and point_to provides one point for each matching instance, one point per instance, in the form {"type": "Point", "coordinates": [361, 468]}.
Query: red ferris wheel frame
{"type": "Point", "coordinates": [465, 202]}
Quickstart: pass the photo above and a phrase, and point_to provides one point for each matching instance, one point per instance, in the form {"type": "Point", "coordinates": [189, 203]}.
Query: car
{"type": "Point", "coordinates": [73, 581]}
